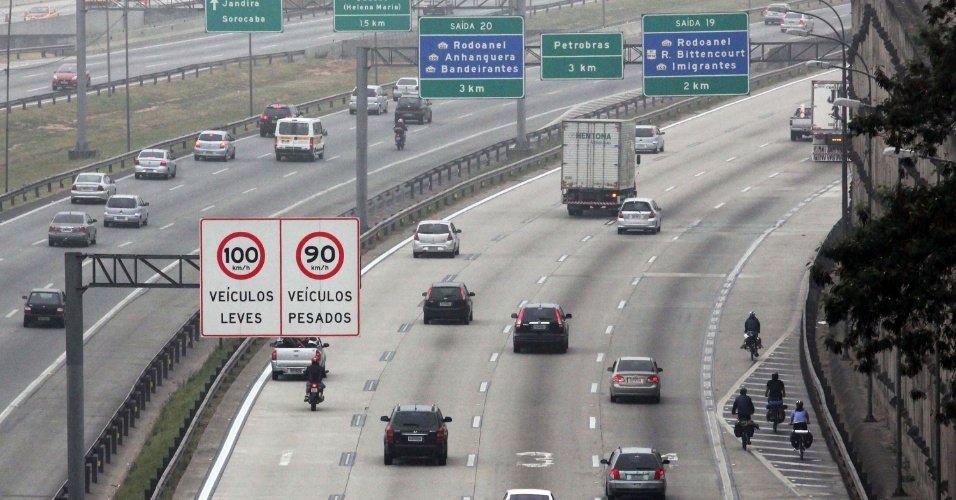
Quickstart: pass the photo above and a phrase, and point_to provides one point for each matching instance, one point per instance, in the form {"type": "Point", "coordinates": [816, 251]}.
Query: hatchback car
{"type": "Point", "coordinates": [416, 430]}
{"type": "Point", "coordinates": [635, 471]}
{"type": "Point", "coordinates": [636, 377]}
{"type": "Point", "coordinates": [405, 86]}
{"type": "Point", "coordinates": [217, 144]}
{"type": "Point", "coordinates": [155, 163]}
{"type": "Point", "coordinates": [639, 214]}
{"type": "Point", "coordinates": [72, 227]}
{"type": "Point", "coordinates": [448, 300]}
{"type": "Point", "coordinates": [44, 306]}
{"type": "Point", "coordinates": [65, 77]}
{"type": "Point", "coordinates": [541, 324]}
{"type": "Point", "coordinates": [436, 237]}
{"type": "Point", "coordinates": [126, 209]}
{"type": "Point", "coordinates": [413, 108]}
{"type": "Point", "coordinates": [528, 495]}
{"type": "Point", "coordinates": [272, 114]}
{"type": "Point", "coordinates": [377, 100]}
{"type": "Point", "coordinates": [797, 21]}
{"type": "Point", "coordinates": [40, 12]}
{"type": "Point", "coordinates": [92, 186]}
{"type": "Point", "coordinates": [774, 13]}
{"type": "Point", "coordinates": [648, 138]}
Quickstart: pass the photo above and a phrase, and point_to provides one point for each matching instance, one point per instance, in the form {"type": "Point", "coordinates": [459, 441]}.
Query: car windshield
{"type": "Point", "coordinates": [445, 292]}
{"type": "Point", "coordinates": [422, 419]}
{"type": "Point", "coordinates": [44, 298]}
{"type": "Point", "coordinates": [636, 206]}
{"type": "Point", "coordinates": [539, 314]}
{"type": "Point", "coordinates": [432, 229]}
{"type": "Point", "coordinates": [67, 68]}
{"type": "Point", "coordinates": [644, 132]}
{"type": "Point", "coordinates": [211, 136]}
{"type": "Point", "coordinates": [39, 10]}
{"type": "Point", "coordinates": [68, 218]}
{"type": "Point", "coordinates": [88, 178]}
{"type": "Point", "coordinates": [151, 154]}
{"type": "Point", "coordinates": [121, 202]}
{"type": "Point", "coordinates": [292, 128]}
{"type": "Point", "coordinates": [409, 102]}
{"type": "Point", "coordinates": [635, 365]}
{"type": "Point", "coordinates": [629, 461]}
{"type": "Point", "coordinates": [406, 81]}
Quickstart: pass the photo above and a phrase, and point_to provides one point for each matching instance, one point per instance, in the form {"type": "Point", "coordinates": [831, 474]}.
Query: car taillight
{"type": "Point", "coordinates": [275, 142]}
{"type": "Point", "coordinates": [52, 229]}
{"type": "Point", "coordinates": [620, 214]}
{"type": "Point", "coordinates": [450, 237]}
{"type": "Point", "coordinates": [389, 434]}
{"type": "Point", "coordinates": [766, 11]}
{"type": "Point", "coordinates": [614, 474]}
{"type": "Point", "coordinates": [163, 163]}
{"type": "Point", "coordinates": [416, 236]}
{"type": "Point", "coordinates": [801, 21]}
{"type": "Point", "coordinates": [99, 188]}
{"type": "Point", "coordinates": [315, 386]}
{"type": "Point", "coordinates": [462, 292]}
{"type": "Point", "coordinates": [197, 144]}
{"type": "Point", "coordinates": [659, 474]}
{"type": "Point", "coordinates": [73, 187]}
{"type": "Point", "coordinates": [81, 229]}
{"type": "Point", "coordinates": [428, 295]}
{"type": "Point", "coordinates": [264, 118]}
{"type": "Point", "coordinates": [136, 161]}
{"type": "Point", "coordinates": [441, 435]}
{"type": "Point", "coordinates": [59, 311]}
{"type": "Point", "coordinates": [318, 355]}
{"type": "Point", "coordinates": [520, 317]}
{"type": "Point", "coordinates": [311, 142]}
{"type": "Point", "coordinates": [558, 316]}
{"type": "Point", "coordinates": [653, 379]}
{"type": "Point", "coordinates": [222, 145]}
{"type": "Point", "coordinates": [274, 355]}
{"type": "Point", "coordinates": [652, 215]}
{"type": "Point", "coordinates": [617, 378]}
{"type": "Point", "coordinates": [27, 309]}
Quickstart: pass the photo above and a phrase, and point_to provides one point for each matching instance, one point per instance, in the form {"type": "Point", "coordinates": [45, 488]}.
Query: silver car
{"type": "Point", "coordinates": [405, 86]}
{"type": "Point", "coordinates": [635, 377]}
{"type": "Point", "coordinates": [436, 237]}
{"type": "Point", "coordinates": [635, 471]}
{"type": "Point", "coordinates": [72, 227]}
{"type": "Point", "coordinates": [639, 214]}
{"type": "Point", "coordinates": [648, 138]}
{"type": "Point", "coordinates": [217, 144]}
{"type": "Point", "coordinates": [126, 209]}
{"type": "Point", "coordinates": [377, 100]}
{"type": "Point", "coordinates": [796, 21]}
{"type": "Point", "coordinates": [155, 163]}
{"type": "Point", "coordinates": [92, 186]}
{"type": "Point", "coordinates": [774, 13]}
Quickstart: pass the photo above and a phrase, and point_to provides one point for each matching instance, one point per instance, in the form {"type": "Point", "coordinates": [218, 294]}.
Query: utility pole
{"type": "Point", "coordinates": [82, 149]}
{"type": "Point", "coordinates": [361, 137]}
{"type": "Point", "coordinates": [521, 119]}
{"type": "Point", "coordinates": [73, 316]}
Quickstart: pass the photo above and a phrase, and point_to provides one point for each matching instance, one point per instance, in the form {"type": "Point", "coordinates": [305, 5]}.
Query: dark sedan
{"type": "Point", "coordinates": [413, 108]}
{"type": "Point", "coordinates": [448, 300]}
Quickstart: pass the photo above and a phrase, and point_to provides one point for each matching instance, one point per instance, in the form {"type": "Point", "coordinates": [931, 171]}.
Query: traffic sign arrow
{"type": "Point", "coordinates": [213, 3]}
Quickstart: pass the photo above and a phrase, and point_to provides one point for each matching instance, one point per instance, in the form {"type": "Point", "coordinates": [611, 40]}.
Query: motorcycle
{"type": "Point", "coordinates": [399, 140]}
{"type": "Point", "coordinates": [744, 429]}
{"type": "Point", "coordinates": [752, 343]}
{"type": "Point", "coordinates": [801, 439]}
{"type": "Point", "coordinates": [316, 395]}
{"type": "Point", "coordinates": [776, 413]}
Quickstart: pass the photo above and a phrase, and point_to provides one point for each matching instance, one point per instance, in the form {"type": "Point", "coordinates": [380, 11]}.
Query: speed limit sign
{"type": "Point", "coordinates": [280, 277]}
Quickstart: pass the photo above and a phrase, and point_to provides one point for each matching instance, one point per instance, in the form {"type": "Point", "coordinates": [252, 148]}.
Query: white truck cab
{"type": "Point", "coordinates": [300, 138]}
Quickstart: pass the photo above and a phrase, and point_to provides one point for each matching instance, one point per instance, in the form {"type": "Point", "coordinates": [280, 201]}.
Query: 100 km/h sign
{"type": "Point", "coordinates": [279, 277]}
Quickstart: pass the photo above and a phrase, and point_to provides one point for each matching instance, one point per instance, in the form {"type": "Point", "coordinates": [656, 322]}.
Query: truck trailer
{"type": "Point", "coordinates": [598, 164]}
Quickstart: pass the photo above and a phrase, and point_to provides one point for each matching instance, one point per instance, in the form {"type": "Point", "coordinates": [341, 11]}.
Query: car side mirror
{"type": "Point", "coordinates": [424, 294]}
{"type": "Point", "coordinates": [93, 220]}
{"type": "Point", "coordinates": [665, 461]}
{"type": "Point", "coordinates": [471, 294]}
{"type": "Point", "coordinates": [274, 343]}
{"type": "Point", "coordinates": [145, 203]}
{"type": "Point", "coordinates": [605, 461]}
{"type": "Point", "coordinates": [298, 113]}
{"type": "Point", "coordinates": [325, 345]}
{"type": "Point", "coordinates": [385, 418]}
{"type": "Point", "coordinates": [514, 315]}
{"type": "Point", "coordinates": [659, 369]}
{"type": "Point", "coordinates": [610, 368]}
{"type": "Point", "coordinates": [325, 132]}
{"type": "Point", "coordinates": [24, 297]}
{"type": "Point", "coordinates": [567, 316]}
{"type": "Point", "coordinates": [662, 132]}
{"type": "Point", "coordinates": [457, 231]}
{"type": "Point", "coordinates": [427, 102]}
{"type": "Point", "coordinates": [446, 419]}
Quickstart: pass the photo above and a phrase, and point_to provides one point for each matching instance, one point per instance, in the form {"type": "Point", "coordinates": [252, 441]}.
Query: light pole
{"type": "Point", "coordinates": [6, 140]}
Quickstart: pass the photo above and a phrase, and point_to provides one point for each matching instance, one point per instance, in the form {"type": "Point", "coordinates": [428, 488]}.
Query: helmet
{"type": "Point", "coordinates": [799, 404]}
{"type": "Point", "coordinates": [315, 360]}
{"type": "Point", "coordinates": [753, 314]}
{"type": "Point", "coordinates": [401, 120]}
{"type": "Point", "coordinates": [743, 391]}
{"type": "Point", "coordinates": [775, 376]}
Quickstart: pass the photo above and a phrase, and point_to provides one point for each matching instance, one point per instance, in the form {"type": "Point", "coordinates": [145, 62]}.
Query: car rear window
{"type": "Point", "coordinates": [68, 218]}
{"type": "Point", "coordinates": [422, 419]}
{"type": "Point", "coordinates": [529, 496]}
{"type": "Point", "coordinates": [210, 137]}
{"type": "Point", "coordinates": [292, 128]}
{"type": "Point", "coordinates": [371, 92]}
{"type": "Point", "coordinates": [116, 202]}
{"type": "Point", "coordinates": [281, 112]}
{"type": "Point", "coordinates": [629, 461]}
{"type": "Point", "coordinates": [635, 365]}
{"type": "Point", "coordinates": [433, 228]}
{"type": "Point", "coordinates": [409, 102]}
{"type": "Point", "coordinates": [88, 178]}
{"type": "Point", "coordinates": [636, 206]}
{"type": "Point", "coordinates": [792, 16]}
{"type": "Point", "coordinates": [44, 298]}
{"type": "Point", "coordinates": [445, 292]}
{"type": "Point", "coordinates": [778, 8]}
{"type": "Point", "coordinates": [644, 132]}
{"type": "Point", "coordinates": [539, 314]}
{"type": "Point", "coordinates": [151, 154]}
{"type": "Point", "coordinates": [407, 81]}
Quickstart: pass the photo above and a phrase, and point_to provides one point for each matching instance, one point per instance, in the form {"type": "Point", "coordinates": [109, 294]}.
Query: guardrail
{"type": "Point", "coordinates": [54, 50]}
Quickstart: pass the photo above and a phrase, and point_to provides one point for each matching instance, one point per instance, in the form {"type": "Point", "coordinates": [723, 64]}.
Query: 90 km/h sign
{"type": "Point", "coordinates": [279, 277]}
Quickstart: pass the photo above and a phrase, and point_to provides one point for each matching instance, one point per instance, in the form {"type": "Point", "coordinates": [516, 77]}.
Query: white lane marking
{"type": "Point", "coordinates": [11, 313]}
{"type": "Point", "coordinates": [155, 65]}
{"type": "Point", "coordinates": [698, 174]}
{"type": "Point", "coordinates": [285, 459]}
{"type": "Point", "coordinates": [586, 238]}
{"type": "Point", "coordinates": [764, 145]}
{"type": "Point", "coordinates": [1, 259]}
{"type": "Point", "coordinates": [719, 205]}
{"type": "Point", "coordinates": [595, 461]}
{"type": "Point", "coordinates": [542, 279]}
{"type": "Point", "coordinates": [744, 191]}
{"type": "Point", "coordinates": [804, 160]}
{"type": "Point", "coordinates": [621, 304]}
{"type": "Point", "coordinates": [552, 93]}
{"type": "Point", "coordinates": [652, 259]}
{"type": "Point", "coordinates": [290, 174]}
{"type": "Point", "coordinates": [494, 357]}
{"type": "Point", "coordinates": [476, 422]}
{"type": "Point", "coordinates": [376, 144]}
{"type": "Point", "coordinates": [609, 329]}
{"type": "Point", "coordinates": [507, 329]}
{"type": "Point", "coordinates": [36, 89]}
{"type": "Point", "coordinates": [221, 170]}
{"type": "Point", "coordinates": [594, 387]}
{"type": "Point", "coordinates": [334, 157]}
{"type": "Point", "coordinates": [268, 46]}
{"type": "Point", "coordinates": [636, 281]}
{"type": "Point", "coordinates": [176, 187]}
{"type": "Point", "coordinates": [419, 129]}
{"type": "Point", "coordinates": [263, 156]}
{"type": "Point", "coordinates": [207, 208]}
{"type": "Point", "coordinates": [33, 75]}
{"type": "Point", "coordinates": [732, 158]}
{"type": "Point", "coordinates": [670, 189]}
{"type": "Point", "coordinates": [675, 238]}
{"type": "Point", "coordinates": [592, 422]}
{"type": "Point", "coordinates": [774, 174]}
{"type": "Point", "coordinates": [600, 357]}
{"type": "Point", "coordinates": [249, 190]}
{"type": "Point", "coordinates": [472, 458]}
{"type": "Point", "coordinates": [483, 387]}
{"type": "Point", "coordinates": [87, 262]}
{"type": "Point", "coordinates": [167, 226]}
{"type": "Point", "coordinates": [49, 285]}
{"type": "Point", "coordinates": [37, 242]}
{"type": "Point", "coordinates": [500, 106]}
{"type": "Point", "coordinates": [561, 259]}
{"type": "Point", "coordinates": [466, 116]}
{"type": "Point", "coordinates": [121, 245]}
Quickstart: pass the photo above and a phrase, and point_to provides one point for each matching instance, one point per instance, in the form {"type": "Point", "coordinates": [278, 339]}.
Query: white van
{"type": "Point", "coordinates": [300, 138]}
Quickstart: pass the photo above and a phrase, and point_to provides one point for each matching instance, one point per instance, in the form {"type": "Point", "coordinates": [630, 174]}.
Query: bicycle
{"type": "Point", "coordinates": [801, 439]}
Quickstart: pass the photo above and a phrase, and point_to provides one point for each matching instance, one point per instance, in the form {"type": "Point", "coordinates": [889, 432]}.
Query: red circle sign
{"type": "Point", "coordinates": [323, 259]}
{"type": "Point", "coordinates": [241, 261]}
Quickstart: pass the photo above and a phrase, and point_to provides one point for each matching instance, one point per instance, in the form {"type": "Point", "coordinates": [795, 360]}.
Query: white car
{"type": "Point", "coordinates": [527, 494]}
{"type": "Point", "coordinates": [639, 214]}
{"type": "Point", "coordinates": [648, 138]}
{"type": "Point", "coordinates": [436, 237]}
{"type": "Point", "coordinates": [407, 85]}
{"type": "Point", "coordinates": [94, 186]}
{"type": "Point", "coordinates": [155, 163]}
{"type": "Point", "coordinates": [377, 100]}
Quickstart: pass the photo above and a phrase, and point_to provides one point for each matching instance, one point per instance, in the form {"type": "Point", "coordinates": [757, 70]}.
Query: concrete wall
{"type": "Point", "coordinates": [61, 30]}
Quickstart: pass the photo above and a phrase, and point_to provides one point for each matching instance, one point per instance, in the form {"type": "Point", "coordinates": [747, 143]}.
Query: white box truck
{"type": "Point", "coordinates": [598, 164]}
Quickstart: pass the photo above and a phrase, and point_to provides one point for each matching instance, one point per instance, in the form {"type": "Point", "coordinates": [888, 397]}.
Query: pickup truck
{"type": "Point", "coordinates": [291, 356]}
{"type": "Point", "coordinates": [801, 123]}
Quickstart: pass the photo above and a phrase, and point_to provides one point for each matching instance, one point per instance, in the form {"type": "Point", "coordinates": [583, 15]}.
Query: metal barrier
{"type": "Point", "coordinates": [54, 50]}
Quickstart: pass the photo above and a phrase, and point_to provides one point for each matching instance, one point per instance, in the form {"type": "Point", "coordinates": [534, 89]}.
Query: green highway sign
{"type": "Point", "coordinates": [696, 54]}
{"type": "Point", "coordinates": [242, 16]}
{"type": "Point", "coordinates": [582, 56]}
{"type": "Point", "coordinates": [372, 15]}
{"type": "Point", "coordinates": [471, 57]}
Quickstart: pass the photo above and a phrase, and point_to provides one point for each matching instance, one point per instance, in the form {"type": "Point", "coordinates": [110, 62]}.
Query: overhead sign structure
{"type": "Point", "coordinates": [471, 57]}
{"type": "Point", "coordinates": [372, 15]}
{"type": "Point", "coordinates": [696, 54]}
{"type": "Point", "coordinates": [242, 16]}
{"type": "Point", "coordinates": [279, 277]}
{"type": "Point", "coordinates": [582, 56]}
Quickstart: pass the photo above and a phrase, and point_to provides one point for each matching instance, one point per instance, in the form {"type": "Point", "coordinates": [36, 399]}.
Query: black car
{"type": "Point", "coordinates": [416, 431]}
{"type": "Point", "coordinates": [44, 306]}
{"type": "Point", "coordinates": [413, 108]}
{"type": "Point", "coordinates": [448, 300]}
{"type": "Point", "coordinates": [272, 114]}
{"type": "Point", "coordinates": [541, 324]}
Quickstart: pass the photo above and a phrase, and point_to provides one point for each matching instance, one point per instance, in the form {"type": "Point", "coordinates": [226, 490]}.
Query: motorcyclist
{"type": "Point", "coordinates": [752, 324]}
{"type": "Point", "coordinates": [400, 127]}
{"type": "Point", "coordinates": [744, 409]}
{"type": "Point", "coordinates": [775, 389]}
{"type": "Point", "coordinates": [799, 417]}
{"type": "Point", "coordinates": [313, 375]}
